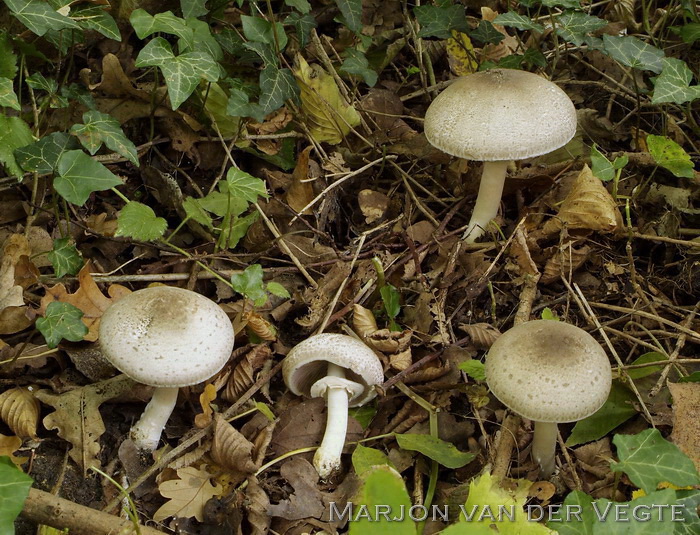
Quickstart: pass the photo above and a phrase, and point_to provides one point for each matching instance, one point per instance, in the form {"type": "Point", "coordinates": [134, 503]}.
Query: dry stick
{"type": "Point", "coordinates": [196, 437]}
{"type": "Point", "coordinates": [45, 508]}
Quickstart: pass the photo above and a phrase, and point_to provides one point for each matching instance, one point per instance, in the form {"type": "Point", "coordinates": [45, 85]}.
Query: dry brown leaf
{"type": "Point", "coordinates": [243, 374]}
{"type": "Point", "coordinates": [686, 419]}
{"type": "Point", "coordinates": [11, 294]}
{"type": "Point", "coordinates": [506, 47]}
{"type": "Point", "coordinates": [402, 360]}
{"type": "Point", "coordinates": [257, 506]}
{"type": "Point", "coordinates": [373, 205]}
{"type": "Point", "coordinates": [520, 252]}
{"type": "Point", "coordinates": [301, 192]}
{"type": "Point", "coordinates": [77, 416]}
{"type": "Point", "coordinates": [261, 327]}
{"type": "Point", "coordinates": [307, 500]}
{"type": "Point", "coordinates": [231, 450]}
{"type": "Point", "coordinates": [588, 206]}
{"type": "Point", "coordinates": [87, 298]}
{"type": "Point", "coordinates": [542, 490]}
{"type": "Point", "coordinates": [99, 224]}
{"type": "Point", "coordinates": [388, 341]}
{"type": "Point", "coordinates": [187, 495]}
{"type": "Point", "coordinates": [483, 335]}
{"type": "Point", "coordinates": [319, 298]}
{"type": "Point", "coordinates": [19, 409]}
{"type": "Point", "coordinates": [461, 55]}
{"type": "Point", "coordinates": [565, 261]}
{"type": "Point", "coordinates": [204, 418]}
{"type": "Point", "coordinates": [9, 445]}
{"type": "Point", "coordinates": [262, 442]}
{"type": "Point", "coordinates": [363, 321]}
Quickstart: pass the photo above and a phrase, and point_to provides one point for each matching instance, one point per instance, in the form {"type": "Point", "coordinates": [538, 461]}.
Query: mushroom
{"type": "Point", "coordinates": [549, 372]}
{"type": "Point", "coordinates": [164, 337]}
{"type": "Point", "coordinates": [341, 369]}
{"type": "Point", "coordinates": [497, 116]}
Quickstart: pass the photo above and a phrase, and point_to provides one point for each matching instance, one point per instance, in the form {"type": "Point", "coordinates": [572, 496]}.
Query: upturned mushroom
{"type": "Point", "coordinates": [550, 372]}
{"type": "Point", "coordinates": [497, 116]}
{"type": "Point", "coordinates": [165, 337]}
{"type": "Point", "coordinates": [340, 369]}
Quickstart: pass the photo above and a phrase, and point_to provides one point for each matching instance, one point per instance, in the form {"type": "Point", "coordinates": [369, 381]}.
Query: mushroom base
{"type": "Point", "coordinates": [544, 444]}
{"type": "Point", "coordinates": [146, 433]}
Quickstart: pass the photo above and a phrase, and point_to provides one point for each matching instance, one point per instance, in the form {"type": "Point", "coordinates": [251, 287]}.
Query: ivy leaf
{"type": "Point", "coordinates": [146, 24]}
{"type": "Point", "coordinates": [276, 86]}
{"type": "Point", "coordinates": [139, 221]}
{"type": "Point", "coordinates": [573, 26]}
{"type": "Point", "coordinates": [515, 20]}
{"type": "Point", "coordinates": [571, 4]}
{"type": "Point", "coordinates": [303, 24]}
{"type": "Point", "coordinates": [351, 11]}
{"type": "Point", "coordinates": [673, 84]}
{"type": "Point", "coordinates": [61, 321]}
{"type": "Point", "coordinates": [689, 32]}
{"type": "Point", "coordinates": [193, 8]}
{"type": "Point", "coordinates": [356, 63]}
{"type": "Point", "coordinates": [239, 105]}
{"type": "Point", "coordinates": [245, 185]}
{"type": "Point", "coordinates": [259, 30]}
{"type": "Point", "coordinates": [8, 59]}
{"type": "Point", "coordinates": [634, 52]}
{"type": "Point", "coordinates": [438, 450]}
{"type": "Point", "coordinates": [42, 156]}
{"type": "Point", "coordinates": [14, 133]}
{"type": "Point", "coordinates": [486, 33]}
{"type": "Point", "coordinates": [250, 284]}
{"type": "Point", "coordinates": [13, 492]}
{"type": "Point", "coordinates": [38, 16]}
{"type": "Point", "coordinates": [79, 175]}
{"type": "Point", "coordinates": [65, 258]}
{"type": "Point", "coordinates": [601, 167]}
{"type": "Point", "coordinates": [671, 156]}
{"type": "Point", "coordinates": [439, 21]}
{"type": "Point", "coordinates": [8, 97]}
{"type": "Point", "coordinates": [583, 503]}
{"type": "Point", "coordinates": [302, 6]}
{"type": "Point", "coordinates": [195, 210]}
{"type": "Point", "coordinates": [266, 52]}
{"type": "Point", "coordinates": [648, 459]}
{"type": "Point", "coordinates": [98, 128]}
{"type": "Point", "coordinates": [96, 18]}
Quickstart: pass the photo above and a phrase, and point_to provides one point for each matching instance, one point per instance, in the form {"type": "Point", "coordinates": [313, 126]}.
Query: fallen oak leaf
{"type": "Point", "coordinates": [187, 495]}
{"type": "Point", "coordinates": [14, 315]}
{"type": "Point", "coordinates": [232, 451]}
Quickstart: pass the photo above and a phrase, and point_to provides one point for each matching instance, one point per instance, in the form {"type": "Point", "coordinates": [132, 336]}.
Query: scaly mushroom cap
{"type": "Point", "coordinates": [166, 336]}
{"type": "Point", "coordinates": [307, 363]}
{"type": "Point", "coordinates": [500, 114]}
{"type": "Point", "coordinates": [549, 371]}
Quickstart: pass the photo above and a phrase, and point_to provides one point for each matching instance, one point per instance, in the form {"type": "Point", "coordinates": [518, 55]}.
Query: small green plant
{"type": "Point", "coordinates": [251, 286]}
{"type": "Point", "coordinates": [14, 488]}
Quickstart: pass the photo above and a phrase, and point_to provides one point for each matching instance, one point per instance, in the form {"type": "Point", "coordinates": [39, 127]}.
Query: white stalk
{"type": "Point", "coordinates": [146, 432]}
{"type": "Point", "coordinates": [327, 457]}
{"type": "Point", "coordinates": [487, 201]}
{"type": "Point", "coordinates": [544, 444]}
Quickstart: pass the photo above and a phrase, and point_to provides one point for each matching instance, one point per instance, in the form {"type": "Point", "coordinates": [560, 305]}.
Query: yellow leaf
{"type": "Point", "coordinates": [188, 495]}
{"type": "Point", "coordinates": [205, 398]}
{"type": "Point", "coordinates": [460, 54]}
{"type": "Point", "coordinates": [19, 409]}
{"type": "Point", "coordinates": [328, 116]}
{"type": "Point", "coordinates": [9, 445]}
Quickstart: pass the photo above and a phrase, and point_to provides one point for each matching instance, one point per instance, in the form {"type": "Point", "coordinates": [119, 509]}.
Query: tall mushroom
{"type": "Point", "coordinates": [497, 116]}
{"type": "Point", "coordinates": [165, 337]}
{"type": "Point", "coordinates": [340, 369]}
{"type": "Point", "coordinates": [549, 372]}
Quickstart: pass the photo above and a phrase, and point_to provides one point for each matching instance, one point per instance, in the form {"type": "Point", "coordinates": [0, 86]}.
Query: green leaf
{"type": "Point", "coordinates": [245, 186]}
{"type": "Point", "coordinates": [515, 20]}
{"type": "Point", "coordinates": [61, 320]}
{"type": "Point", "coordinates": [548, 314]}
{"type": "Point", "coordinates": [671, 156]}
{"type": "Point", "coordinates": [364, 415]}
{"type": "Point", "coordinates": [474, 369]}
{"type": "Point", "coordinates": [486, 33]}
{"type": "Point", "coordinates": [239, 105]}
{"type": "Point", "coordinates": [42, 156]}
{"type": "Point", "coordinates": [364, 458]}
{"type": "Point", "coordinates": [265, 409]}
{"type": "Point", "coordinates": [145, 24]}
{"type": "Point", "coordinates": [573, 26]}
{"type": "Point", "coordinates": [233, 229]}
{"type": "Point", "coordinates": [617, 409]}
{"type": "Point", "coordinates": [382, 486]}
{"type": "Point", "coordinates": [689, 32]}
{"type": "Point", "coordinates": [690, 522]}
{"type": "Point", "coordinates": [250, 283]}
{"type": "Point", "coordinates": [266, 52]}
{"type": "Point", "coordinates": [8, 59]}
{"type": "Point", "coordinates": [14, 133]}
{"type": "Point", "coordinates": [139, 221]}
{"type": "Point", "coordinates": [438, 450]}
{"type": "Point", "coordinates": [439, 21]}
{"type": "Point", "coordinates": [275, 288]}
{"type": "Point", "coordinates": [351, 11]}
{"type": "Point", "coordinates": [98, 128]}
{"type": "Point", "coordinates": [391, 299]}
{"type": "Point", "coordinates": [648, 460]}
{"type": "Point", "coordinates": [302, 6]}
{"type": "Point", "coordinates": [8, 97]}
{"type": "Point", "coordinates": [195, 211]}
{"type": "Point", "coordinates": [276, 86]}
{"type": "Point", "coordinates": [692, 378]}
{"type": "Point", "coordinates": [39, 81]}
{"type": "Point", "coordinates": [673, 84]}
{"type": "Point", "coordinates": [222, 203]}
{"type": "Point", "coordinates": [79, 175]}
{"type": "Point", "coordinates": [582, 502]}
{"type": "Point", "coordinates": [96, 18]}
{"type": "Point", "coordinates": [634, 52]}
{"type": "Point", "coordinates": [572, 4]}
{"type": "Point", "coordinates": [65, 258]}
{"type": "Point", "coordinates": [259, 30]}
{"type": "Point", "coordinates": [38, 16]}
{"type": "Point", "coordinates": [601, 167]}
{"type": "Point", "coordinates": [303, 24]}
{"type": "Point", "coordinates": [14, 488]}
{"type": "Point", "coordinates": [620, 518]}
{"type": "Point", "coordinates": [652, 356]}
{"type": "Point", "coordinates": [356, 63]}
{"type": "Point", "coordinates": [193, 8]}
{"type": "Point", "coordinates": [204, 40]}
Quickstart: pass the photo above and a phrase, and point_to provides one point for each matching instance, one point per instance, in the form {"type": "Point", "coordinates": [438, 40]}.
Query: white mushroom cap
{"type": "Point", "coordinates": [307, 363]}
{"type": "Point", "coordinates": [500, 114]}
{"type": "Point", "coordinates": [549, 371]}
{"type": "Point", "coordinates": [166, 336]}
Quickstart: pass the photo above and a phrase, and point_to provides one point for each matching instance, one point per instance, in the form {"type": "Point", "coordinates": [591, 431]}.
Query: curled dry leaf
{"type": "Point", "coordinates": [388, 341]}
{"type": "Point", "coordinates": [242, 376]}
{"type": "Point", "coordinates": [14, 316]}
{"type": "Point", "coordinates": [19, 409]}
{"type": "Point", "coordinates": [686, 419]}
{"type": "Point", "coordinates": [204, 418]}
{"type": "Point", "coordinates": [373, 205]}
{"type": "Point", "coordinates": [483, 335]}
{"type": "Point", "coordinates": [520, 252]}
{"type": "Point", "coordinates": [566, 260]}
{"type": "Point", "coordinates": [301, 192]}
{"type": "Point", "coordinates": [231, 450]}
{"type": "Point", "coordinates": [187, 495]}
{"type": "Point", "coordinates": [261, 327]}
{"type": "Point", "coordinates": [402, 360]}
{"type": "Point", "coordinates": [319, 298]}
{"type": "Point", "coordinates": [588, 206]}
{"type": "Point", "coordinates": [257, 506]}
{"type": "Point", "coordinates": [363, 321]}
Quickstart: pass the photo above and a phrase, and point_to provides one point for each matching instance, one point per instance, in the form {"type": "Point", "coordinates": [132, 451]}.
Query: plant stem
{"type": "Point", "coordinates": [146, 432]}
{"type": "Point", "coordinates": [327, 457]}
{"type": "Point", "coordinates": [487, 201]}
{"type": "Point", "coordinates": [544, 444]}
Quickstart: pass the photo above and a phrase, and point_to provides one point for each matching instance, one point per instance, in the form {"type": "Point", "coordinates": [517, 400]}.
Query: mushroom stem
{"type": "Point", "coordinates": [487, 201]}
{"type": "Point", "coordinates": [146, 432]}
{"type": "Point", "coordinates": [544, 443]}
{"type": "Point", "coordinates": [327, 457]}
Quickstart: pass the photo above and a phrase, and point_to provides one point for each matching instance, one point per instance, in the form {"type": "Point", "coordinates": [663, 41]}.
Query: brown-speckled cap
{"type": "Point", "coordinates": [166, 336]}
{"type": "Point", "coordinates": [549, 371]}
{"type": "Point", "coordinates": [500, 114]}
{"type": "Point", "coordinates": [307, 362]}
